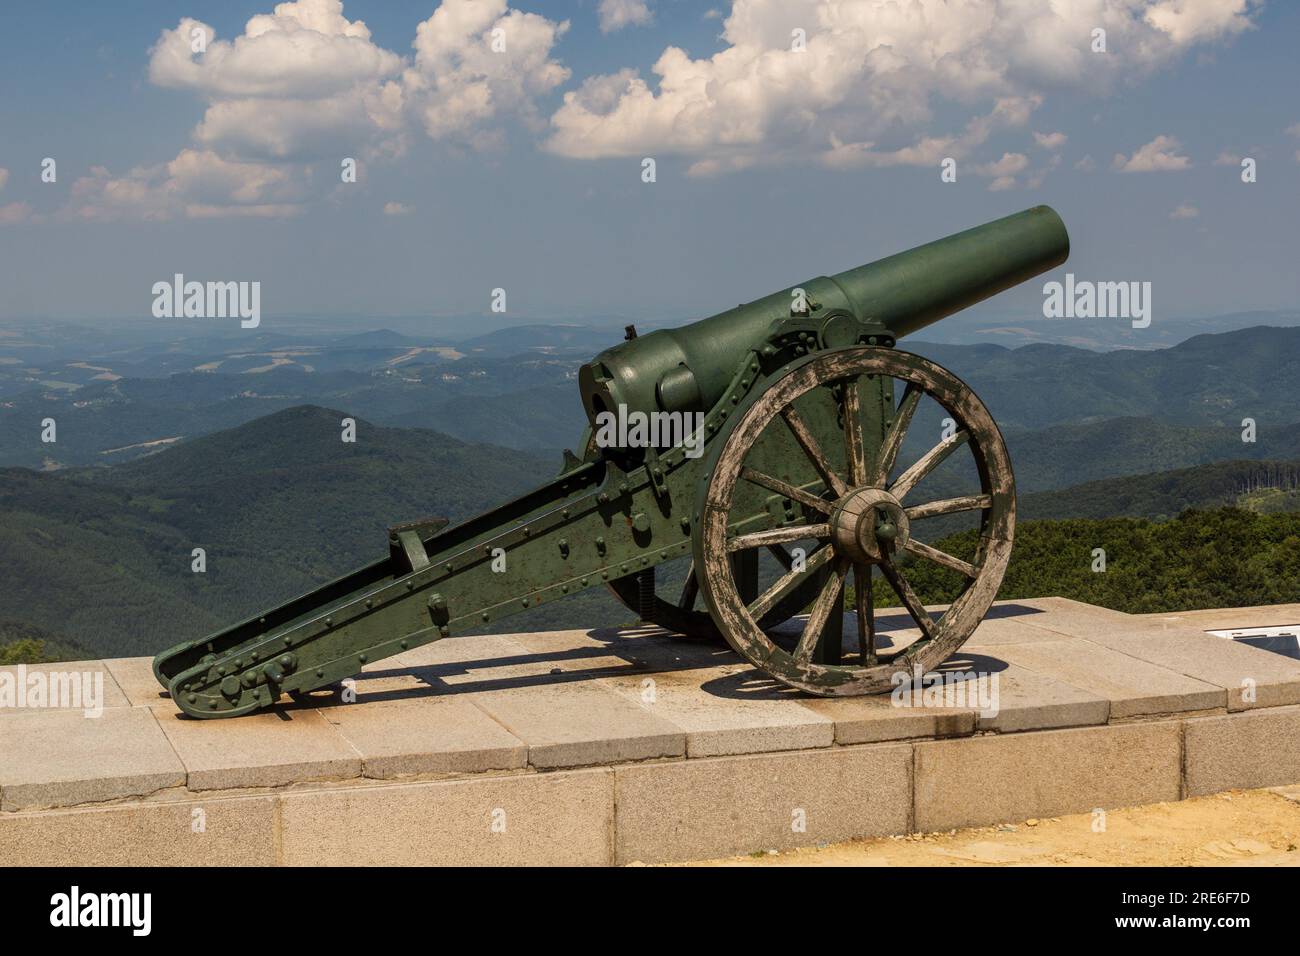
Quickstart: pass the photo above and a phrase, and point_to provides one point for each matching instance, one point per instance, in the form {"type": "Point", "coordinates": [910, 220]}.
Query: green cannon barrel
{"type": "Point", "coordinates": [688, 368]}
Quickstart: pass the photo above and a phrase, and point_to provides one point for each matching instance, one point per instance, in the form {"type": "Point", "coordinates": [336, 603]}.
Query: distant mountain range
{"type": "Point", "coordinates": [985, 325]}
{"type": "Point", "coordinates": [529, 400]}
{"type": "Point", "coordinates": [1207, 380]}
{"type": "Point", "coordinates": [1263, 486]}
{"type": "Point", "coordinates": [1072, 454]}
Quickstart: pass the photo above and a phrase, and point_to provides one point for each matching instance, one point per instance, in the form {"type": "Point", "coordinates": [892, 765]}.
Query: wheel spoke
{"type": "Point", "coordinates": [820, 614]}
{"type": "Point", "coordinates": [866, 613]}
{"type": "Point", "coordinates": [927, 463]}
{"type": "Point", "coordinates": [853, 434]}
{"type": "Point", "coordinates": [787, 583]}
{"type": "Point", "coordinates": [787, 489]}
{"type": "Point", "coordinates": [949, 506]}
{"type": "Point", "coordinates": [894, 440]}
{"type": "Point", "coordinates": [813, 450]}
{"type": "Point", "coordinates": [781, 554]}
{"type": "Point", "coordinates": [690, 588]}
{"type": "Point", "coordinates": [941, 557]}
{"type": "Point", "coordinates": [761, 539]}
{"type": "Point", "coordinates": [910, 601]}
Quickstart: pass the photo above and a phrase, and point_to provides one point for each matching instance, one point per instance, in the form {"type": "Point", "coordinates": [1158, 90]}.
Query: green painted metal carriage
{"type": "Point", "coordinates": [792, 473]}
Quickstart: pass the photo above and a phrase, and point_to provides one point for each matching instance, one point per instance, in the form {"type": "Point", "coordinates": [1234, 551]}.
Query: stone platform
{"type": "Point", "coordinates": [601, 747]}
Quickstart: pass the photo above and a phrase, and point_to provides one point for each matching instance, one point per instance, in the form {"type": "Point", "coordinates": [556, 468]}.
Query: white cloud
{"type": "Point", "coordinates": [196, 184]}
{"type": "Point", "coordinates": [714, 167]}
{"type": "Point", "coordinates": [295, 85]}
{"type": "Point", "coordinates": [1009, 112]}
{"type": "Point", "coordinates": [617, 14]}
{"type": "Point", "coordinates": [1086, 165]}
{"type": "Point", "coordinates": [870, 75]}
{"type": "Point", "coordinates": [15, 212]}
{"type": "Point", "coordinates": [1226, 158]}
{"type": "Point", "coordinates": [1185, 211]}
{"type": "Point", "coordinates": [476, 60]}
{"type": "Point", "coordinates": [1158, 156]}
{"type": "Point", "coordinates": [1050, 140]}
{"type": "Point", "coordinates": [1189, 21]}
{"type": "Point", "coordinates": [304, 87]}
{"type": "Point", "coordinates": [1009, 165]}
{"type": "Point", "coordinates": [1293, 130]}
{"type": "Point", "coordinates": [304, 49]}
{"type": "Point", "coordinates": [1004, 171]}
{"type": "Point", "coordinates": [397, 209]}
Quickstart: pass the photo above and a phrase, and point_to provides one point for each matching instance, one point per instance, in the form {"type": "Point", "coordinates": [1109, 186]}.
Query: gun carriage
{"type": "Point", "coordinates": [803, 404]}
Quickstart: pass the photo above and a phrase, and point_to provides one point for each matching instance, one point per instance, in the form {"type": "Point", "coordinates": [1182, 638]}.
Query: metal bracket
{"type": "Point", "coordinates": [406, 542]}
{"type": "Point", "coordinates": [655, 472]}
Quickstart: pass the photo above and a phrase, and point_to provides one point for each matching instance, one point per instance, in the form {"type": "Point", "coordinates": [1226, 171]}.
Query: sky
{"type": "Point", "coordinates": [503, 146]}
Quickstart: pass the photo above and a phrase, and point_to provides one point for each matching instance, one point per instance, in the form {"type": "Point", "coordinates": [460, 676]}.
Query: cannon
{"type": "Point", "coordinates": [789, 427]}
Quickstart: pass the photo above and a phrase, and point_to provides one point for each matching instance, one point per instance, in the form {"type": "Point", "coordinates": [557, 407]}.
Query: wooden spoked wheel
{"type": "Point", "coordinates": [861, 523]}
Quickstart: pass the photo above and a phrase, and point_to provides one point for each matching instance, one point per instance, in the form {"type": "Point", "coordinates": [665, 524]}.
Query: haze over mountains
{"type": "Point", "coordinates": [231, 443]}
{"type": "Point", "coordinates": [517, 387]}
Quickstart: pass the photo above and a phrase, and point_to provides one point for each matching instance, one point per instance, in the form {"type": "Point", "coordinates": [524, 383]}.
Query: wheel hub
{"type": "Point", "coordinates": [868, 524]}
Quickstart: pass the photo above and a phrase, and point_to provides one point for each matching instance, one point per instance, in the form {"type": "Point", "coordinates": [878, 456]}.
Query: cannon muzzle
{"type": "Point", "coordinates": [689, 368]}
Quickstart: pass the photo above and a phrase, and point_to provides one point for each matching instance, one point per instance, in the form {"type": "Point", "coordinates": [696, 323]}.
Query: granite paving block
{"type": "Point", "coordinates": [81, 686]}
{"type": "Point", "coordinates": [1133, 686]}
{"type": "Point", "coordinates": [1260, 748]}
{"type": "Point", "coordinates": [1005, 778]}
{"type": "Point", "coordinates": [1012, 630]}
{"type": "Point", "coordinates": [478, 661]}
{"type": "Point", "coordinates": [581, 723]}
{"type": "Point", "coordinates": [728, 710]}
{"type": "Point", "coordinates": [228, 832]}
{"type": "Point", "coordinates": [445, 734]}
{"type": "Point", "coordinates": [866, 720]}
{"type": "Point", "coordinates": [476, 664]}
{"type": "Point", "coordinates": [134, 675]}
{"type": "Point", "coordinates": [1010, 698]}
{"type": "Point", "coordinates": [260, 750]}
{"type": "Point", "coordinates": [1251, 676]}
{"type": "Point", "coordinates": [1071, 618]}
{"type": "Point", "coordinates": [528, 819]}
{"type": "Point", "coordinates": [1226, 618]}
{"type": "Point", "coordinates": [621, 650]}
{"type": "Point", "coordinates": [720, 806]}
{"type": "Point", "coordinates": [61, 758]}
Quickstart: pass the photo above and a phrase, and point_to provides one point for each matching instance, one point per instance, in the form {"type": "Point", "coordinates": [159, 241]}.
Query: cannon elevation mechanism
{"type": "Point", "coordinates": [803, 418]}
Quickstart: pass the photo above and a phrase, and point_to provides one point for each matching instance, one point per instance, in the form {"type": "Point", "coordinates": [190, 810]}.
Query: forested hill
{"type": "Point", "coordinates": [278, 505]}
{"type": "Point", "coordinates": [1264, 486]}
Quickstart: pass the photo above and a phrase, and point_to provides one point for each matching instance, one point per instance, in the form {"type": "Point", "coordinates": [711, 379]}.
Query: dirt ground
{"type": "Point", "coordinates": [1240, 828]}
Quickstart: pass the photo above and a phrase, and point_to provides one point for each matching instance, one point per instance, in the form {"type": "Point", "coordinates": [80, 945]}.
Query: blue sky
{"type": "Point", "coordinates": [478, 172]}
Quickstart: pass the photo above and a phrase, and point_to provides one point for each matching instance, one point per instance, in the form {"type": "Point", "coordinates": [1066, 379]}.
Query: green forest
{"type": "Point", "coordinates": [98, 562]}
{"type": "Point", "coordinates": [1225, 557]}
